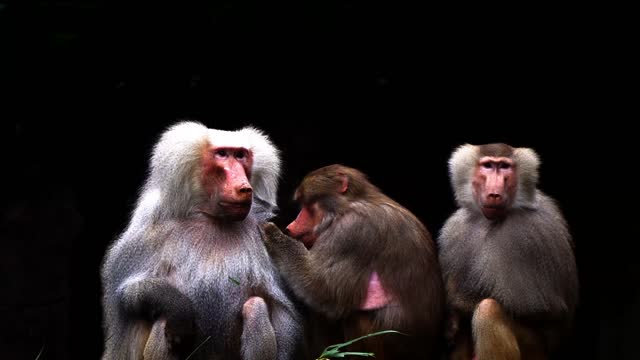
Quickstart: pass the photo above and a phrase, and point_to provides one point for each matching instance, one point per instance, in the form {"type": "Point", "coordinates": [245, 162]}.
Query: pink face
{"type": "Point", "coordinates": [495, 183]}
{"type": "Point", "coordinates": [225, 177]}
{"type": "Point", "coordinates": [302, 228]}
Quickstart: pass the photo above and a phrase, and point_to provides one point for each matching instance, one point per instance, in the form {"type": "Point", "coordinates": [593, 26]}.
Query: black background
{"type": "Point", "coordinates": [388, 88]}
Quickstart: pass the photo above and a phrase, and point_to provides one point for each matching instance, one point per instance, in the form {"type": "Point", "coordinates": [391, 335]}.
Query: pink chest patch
{"type": "Point", "coordinates": [376, 297]}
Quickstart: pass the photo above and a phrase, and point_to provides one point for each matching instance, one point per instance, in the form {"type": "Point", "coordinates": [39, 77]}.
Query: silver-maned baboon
{"type": "Point", "coordinates": [191, 265]}
{"type": "Point", "coordinates": [507, 258]}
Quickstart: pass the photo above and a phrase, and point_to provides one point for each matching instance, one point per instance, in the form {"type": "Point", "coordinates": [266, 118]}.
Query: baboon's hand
{"type": "Point", "coordinates": [273, 234]}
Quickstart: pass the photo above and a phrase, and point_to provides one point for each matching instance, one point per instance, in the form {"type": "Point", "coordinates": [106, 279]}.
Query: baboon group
{"type": "Point", "coordinates": [200, 272]}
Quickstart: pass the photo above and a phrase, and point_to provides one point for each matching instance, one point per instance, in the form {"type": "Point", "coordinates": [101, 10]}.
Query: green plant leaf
{"type": "Point", "coordinates": [333, 351]}
{"type": "Point", "coordinates": [197, 348]}
{"type": "Point", "coordinates": [40, 353]}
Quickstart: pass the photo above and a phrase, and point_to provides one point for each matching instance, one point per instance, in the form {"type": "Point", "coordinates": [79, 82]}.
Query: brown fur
{"type": "Point", "coordinates": [363, 231]}
{"type": "Point", "coordinates": [496, 149]}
